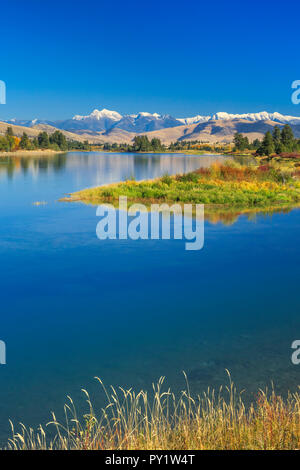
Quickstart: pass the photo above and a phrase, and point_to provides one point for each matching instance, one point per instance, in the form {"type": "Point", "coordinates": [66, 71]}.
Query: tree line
{"type": "Point", "coordinates": [55, 141]}
{"type": "Point", "coordinates": [141, 143]}
{"type": "Point", "coordinates": [277, 142]}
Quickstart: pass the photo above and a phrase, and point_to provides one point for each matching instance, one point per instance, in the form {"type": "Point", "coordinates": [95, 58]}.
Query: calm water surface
{"type": "Point", "coordinates": [73, 307]}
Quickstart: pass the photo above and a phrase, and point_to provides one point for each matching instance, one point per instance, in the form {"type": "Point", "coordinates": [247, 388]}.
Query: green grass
{"type": "Point", "coordinates": [130, 421]}
{"type": "Point", "coordinates": [231, 186]}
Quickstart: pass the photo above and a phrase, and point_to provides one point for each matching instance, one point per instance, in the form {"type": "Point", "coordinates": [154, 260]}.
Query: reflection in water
{"type": "Point", "coordinates": [230, 217]}
{"type": "Point", "coordinates": [168, 163]}
{"type": "Point", "coordinates": [214, 215]}
{"type": "Point", "coordinates": [86, 169]}
{"type": "Point", "coordinates": [11, 165]}
{"type": "Point", "coordinates": [121, 165]}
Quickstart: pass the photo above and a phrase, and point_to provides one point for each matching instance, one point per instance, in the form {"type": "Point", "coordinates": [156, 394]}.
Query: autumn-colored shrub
{"type": "Point", "coordinates": [289, 155]}
{"type": "Point", "coordinates": [264, 168]}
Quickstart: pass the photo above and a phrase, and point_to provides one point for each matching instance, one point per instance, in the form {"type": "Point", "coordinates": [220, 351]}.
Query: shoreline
{"type": "Point", "coordinates": [40, 152]}
{"type": "Point", "coordinates": [30, 153]}
{"type": "Point", "coordinates": [183, 152]}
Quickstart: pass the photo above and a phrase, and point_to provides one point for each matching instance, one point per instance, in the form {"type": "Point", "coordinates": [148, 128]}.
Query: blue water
{"type": "Point", "coordinates": [74, 307]}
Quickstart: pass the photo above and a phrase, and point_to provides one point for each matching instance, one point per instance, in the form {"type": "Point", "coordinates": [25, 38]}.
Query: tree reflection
{"type": "Point", "coordinates": [11, 165]}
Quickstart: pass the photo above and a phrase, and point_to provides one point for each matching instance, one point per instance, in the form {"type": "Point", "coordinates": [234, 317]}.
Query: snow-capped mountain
{"type": "Point", "coordinates": [194, 120]}
{"type": "Point", "coordinates": [27, 123]}
{"type": "Point", "coordinates": [98, 115]}
{"type": "Point", "coordinates": [97, 121]}
{"type": "Point", "coordinates": [107, 121]}
{"type": "Point", "coordinates": [146, 122]}
{"type": "Point", "coordinates": [262, 116]}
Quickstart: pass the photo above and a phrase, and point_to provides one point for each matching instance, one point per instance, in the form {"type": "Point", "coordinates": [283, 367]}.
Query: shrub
{"type": "Point", "coordinates": [166, 179]}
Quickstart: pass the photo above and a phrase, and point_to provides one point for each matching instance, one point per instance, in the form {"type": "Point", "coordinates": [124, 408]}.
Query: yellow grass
{"type": "Point", "coordinates": [163, 421]}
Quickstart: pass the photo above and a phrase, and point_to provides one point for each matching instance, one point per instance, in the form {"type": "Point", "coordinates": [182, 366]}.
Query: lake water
{"type": "Point", "coordinates": [74, 307]}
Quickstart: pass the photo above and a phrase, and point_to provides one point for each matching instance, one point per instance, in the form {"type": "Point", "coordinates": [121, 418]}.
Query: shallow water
{"type": "Point", "coordinates": [74, 307]}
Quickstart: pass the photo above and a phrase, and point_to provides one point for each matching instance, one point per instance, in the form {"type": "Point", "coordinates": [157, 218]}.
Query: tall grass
{"type": "Point", "coordinates": [133, 421]}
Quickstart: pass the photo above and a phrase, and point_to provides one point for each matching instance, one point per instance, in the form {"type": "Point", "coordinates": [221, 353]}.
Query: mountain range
{"type": "Point", "coordinates": [111, 126]}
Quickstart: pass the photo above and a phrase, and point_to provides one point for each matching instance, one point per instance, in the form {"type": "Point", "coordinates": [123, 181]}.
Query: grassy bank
{"type": "Point", "coordinates": [31, 153]}
{"type": "Point", "coordinates": [215, 420]}
{"type": "Point", "coordinates": [229, 186]}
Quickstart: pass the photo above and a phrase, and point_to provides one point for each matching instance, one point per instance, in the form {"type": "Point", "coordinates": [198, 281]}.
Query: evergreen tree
{"type": "Point", "coordinates": [141, 144]}
{"type": "Point", "coordinates": [43, 140]}
{"type": "Point", "coordinates": [35, 143]}
{"type": "Point", "coordinates": [256, 143]}
{"type": "Point", "coordinates": [58, 139]}
{"type": "Point", "coordinates": [240, 142]}
{"type": "Point", "coordinates": [156, 145]}
{"type": "Point", "coordinates": [277, 140]}
{"type": "Point", "coordinates": [287, 138]}
{"type": "Point", "coordinates": [276, 135]}
{"type": "Point", "coordinates": [24, 142]}
{"type": "Point", "coordinates": [267, 146]}
{"type": "Point", "coordinates": [9, 132]}
{"type": "Point", "coordinates": [4, 146]}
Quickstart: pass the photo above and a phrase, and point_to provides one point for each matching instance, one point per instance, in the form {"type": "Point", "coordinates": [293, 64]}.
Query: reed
{"type": "Point", "coordinates": [163, 421]}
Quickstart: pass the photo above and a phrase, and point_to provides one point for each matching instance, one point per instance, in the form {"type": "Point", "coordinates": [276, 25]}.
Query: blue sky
{"type": "Point", "coordinates": [60, 58]}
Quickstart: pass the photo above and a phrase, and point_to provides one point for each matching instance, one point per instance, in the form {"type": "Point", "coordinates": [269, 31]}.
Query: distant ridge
{"type": "Point", "coordinates": [106, 120]}
{"type": "Point", "coordinates": [110, 126]}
